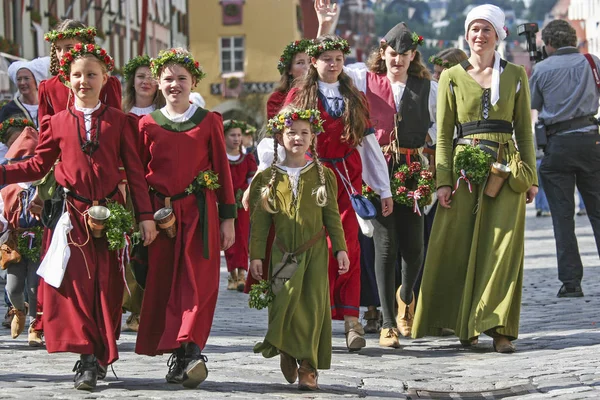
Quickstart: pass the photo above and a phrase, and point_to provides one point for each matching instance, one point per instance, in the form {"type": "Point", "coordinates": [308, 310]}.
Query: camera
{"type": "Point", "coordinates": [529, 29]}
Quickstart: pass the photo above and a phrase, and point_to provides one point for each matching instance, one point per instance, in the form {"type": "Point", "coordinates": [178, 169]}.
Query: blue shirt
{"type": "Point", "coordinates": [563, 87]}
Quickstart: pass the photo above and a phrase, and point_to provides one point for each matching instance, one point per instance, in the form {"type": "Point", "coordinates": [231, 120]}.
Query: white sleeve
{"type": "Point", "coordinates": [265, 153]}
{"type": "Point", "coordinates": [358, 73]}
{"type": "Point", "coordinates": [4, 231]}
{"type": "Point", "coordinates": [433, 89]}
{"type": "Point", "coordinates": [374, 166]}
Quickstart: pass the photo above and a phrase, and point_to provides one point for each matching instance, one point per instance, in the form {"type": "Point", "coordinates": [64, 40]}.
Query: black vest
{"type": "Point", "coordinates": [414, 109]}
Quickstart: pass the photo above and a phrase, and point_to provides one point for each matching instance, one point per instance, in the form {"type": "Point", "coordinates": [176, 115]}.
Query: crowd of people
{"type": "Point", "coordinates": [375, 185]}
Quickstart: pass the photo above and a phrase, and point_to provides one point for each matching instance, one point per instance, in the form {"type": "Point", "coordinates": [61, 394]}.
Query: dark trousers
{"type": "Point", "coordinates": [568, 161]}
{"type": "Point", "coordinates": [368, 282]}
{"type": "Point", "coordinates": [402, 232]}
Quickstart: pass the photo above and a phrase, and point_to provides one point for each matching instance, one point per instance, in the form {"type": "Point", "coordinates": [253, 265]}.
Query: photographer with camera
{"type": "Point", "coordinates": [565, 89]}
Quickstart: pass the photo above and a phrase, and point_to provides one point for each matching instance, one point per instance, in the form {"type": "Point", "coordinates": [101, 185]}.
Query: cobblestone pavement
{"type": "Point", "coordinates": [558, 352]}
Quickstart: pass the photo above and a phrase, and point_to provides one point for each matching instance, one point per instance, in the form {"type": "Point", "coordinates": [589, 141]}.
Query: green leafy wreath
{"type": "Point", "coordinates": [118, 224]}
{"type": "Point", "coordinates": [422, 179]}
{"type": "Point", "coordinates": [472, 165]}
{"type": "Point", "coordinates": [29, 243]}
{"type": "Point", "coordinates": [261, 295]}
{"type": "Point", "coordinates": [132, 66]}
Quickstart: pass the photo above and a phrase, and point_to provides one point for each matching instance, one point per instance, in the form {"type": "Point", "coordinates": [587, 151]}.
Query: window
{"type": "Point", "coordinates": [232, 54]}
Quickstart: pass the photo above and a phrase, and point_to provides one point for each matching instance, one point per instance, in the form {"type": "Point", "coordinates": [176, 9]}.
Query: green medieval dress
{"type": "Point", "coordinates": [300, 315]}
{"type": "Point", "coordinates": [473, 274]}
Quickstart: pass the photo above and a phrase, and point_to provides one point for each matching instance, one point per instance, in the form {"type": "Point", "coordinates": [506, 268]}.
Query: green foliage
{"type": "Point", "coordinates": [475, 162]}
{"type": "Point", "coordinates": [32, 252]}
{"type": "Point", "coordinates": [205, 179]}
{"type": "Point", "coordinates": [261, 295]}
{"type": "Point", "coordinates": [119, 222]}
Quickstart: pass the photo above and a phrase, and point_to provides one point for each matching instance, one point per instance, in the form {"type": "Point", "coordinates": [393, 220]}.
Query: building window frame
{"type": "Point", "coordinates": [236, 64]}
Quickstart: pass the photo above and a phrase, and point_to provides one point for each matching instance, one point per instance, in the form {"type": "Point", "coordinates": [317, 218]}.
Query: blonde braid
{"type": "Point", "coordinates": [53, 61]}
{"type": "Point", "coordinates": [267, 193]}
{"type": "Point", "coordinates": [321, 191]}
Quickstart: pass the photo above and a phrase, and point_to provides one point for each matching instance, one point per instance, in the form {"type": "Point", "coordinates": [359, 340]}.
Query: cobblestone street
{"type": "Point", "coordinates": [558, 352]}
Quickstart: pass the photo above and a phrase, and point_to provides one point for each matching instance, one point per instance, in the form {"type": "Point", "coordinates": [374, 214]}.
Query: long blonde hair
{"type": "Point", "coordinates": [268, 196]}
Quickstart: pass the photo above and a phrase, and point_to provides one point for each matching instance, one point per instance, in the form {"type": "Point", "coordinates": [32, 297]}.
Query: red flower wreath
{"type": "Point", "coordinates": [423, 179]}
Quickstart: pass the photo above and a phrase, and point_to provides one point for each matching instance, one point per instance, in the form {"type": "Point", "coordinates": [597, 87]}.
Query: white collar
{"type": "Point", "coordinates": [142, 110]}
{"type": "Point", "coordinates": [88, 110]}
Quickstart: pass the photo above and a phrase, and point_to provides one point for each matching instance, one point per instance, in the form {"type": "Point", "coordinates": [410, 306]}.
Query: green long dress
{"type": "Point", "coordinates": [473, 274]}
{"type": "Point", "coordinates": [300, 315]}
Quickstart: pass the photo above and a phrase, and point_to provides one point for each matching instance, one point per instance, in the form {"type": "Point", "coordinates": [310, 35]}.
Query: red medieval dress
{"type": "Point", "coordinates": [275, 103]}
{"type": "Point", "coordinates": [183, 272]}
{"type": "Point", "coordinates": [242, 170]}
{"type": "Point", "coordinates": [54, 97]}
{"type": "Point", "coordinates": [84, 314]}
{"type": "Point", "coordinates": [344, 289]}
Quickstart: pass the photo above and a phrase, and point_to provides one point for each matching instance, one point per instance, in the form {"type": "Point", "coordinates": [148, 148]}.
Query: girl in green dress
{"type": "Point", "coordinates": [473, 275]}
{"type": "Point", "coordinates": [298, 197]}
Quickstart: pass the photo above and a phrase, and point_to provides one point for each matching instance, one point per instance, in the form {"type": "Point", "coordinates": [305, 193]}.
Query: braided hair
{"type": "Point", "coordinates": [62, 26]}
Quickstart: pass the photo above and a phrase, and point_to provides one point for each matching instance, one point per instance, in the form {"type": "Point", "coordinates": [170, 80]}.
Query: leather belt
{"type": "Point", "coordinates": [484, 126]}
{"type": "Point", "coordinates": [87, 201]}
{"type": "Point", "coordinates": [572, 124]}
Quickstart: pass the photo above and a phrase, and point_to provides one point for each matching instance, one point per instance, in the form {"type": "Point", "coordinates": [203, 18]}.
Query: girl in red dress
{"type": "Point", "coordinates": [243, 168]}
{"type": "Point", "coordinates": [293, 65]}
{"type": "Point", "coordinates": [347, 145]}
{"type": "Point", "coordinates": [83, 314]}
{"type": "Point", "coordinates": [183, 147]}
{"type": "Point", "coordinates": [141, 95]}
{"type": "Point", "coordinates": [55, 97]}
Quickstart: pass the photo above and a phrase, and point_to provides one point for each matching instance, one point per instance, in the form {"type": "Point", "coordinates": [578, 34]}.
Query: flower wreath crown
{"type": "Point", "coordinates": [80, 50]}
{"type": "Point", "coordinates": [285, 119]}
{"type": "Point", "coordinates": [85, 34]}
{"type": "Point", "coordinates": [290, 51]}
{"type": "Point", "coordinates": [315, 50]}
{"type": "Point", "coordinates": [233, 123]}
{"type": "Point", "coordinates": [250, 130]}
{"type": "Point", "coordinates": [134, 64]}
{"type": "Point", "coordinates": [13, 122]}
{"type": "Point", "coordinates": [417, 39]}
{"type": "Point", "coordinates": [442, 63]}
{"type": "Point", "coordinates": [175, 56]}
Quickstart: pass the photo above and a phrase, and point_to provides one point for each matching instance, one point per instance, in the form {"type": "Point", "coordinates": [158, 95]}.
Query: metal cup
{"type": "Point", "coordinates": [498, 175]}
{"type": "Point", "coordinates": [165, 219]}
{"type": "Point", "coordinates": [97, 216]}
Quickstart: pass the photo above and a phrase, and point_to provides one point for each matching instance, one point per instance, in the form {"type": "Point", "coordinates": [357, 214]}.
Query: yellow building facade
{"type": "Point", "coordinates": [238, 43]}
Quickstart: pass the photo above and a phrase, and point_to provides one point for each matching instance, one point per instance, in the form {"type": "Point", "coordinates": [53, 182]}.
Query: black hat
{"type": "Point", "coordinates": [400, 38]}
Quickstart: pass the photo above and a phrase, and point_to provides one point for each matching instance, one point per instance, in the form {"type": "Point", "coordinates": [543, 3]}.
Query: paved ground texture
{"type": "Point", "coordinates": [558, 352]}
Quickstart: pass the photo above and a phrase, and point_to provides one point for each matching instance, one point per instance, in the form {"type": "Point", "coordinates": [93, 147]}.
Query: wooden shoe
{"type": "Point", "coordinates": [373, 318]}
{"type": "Point", "coordinates": [289, 367]}
{"type": "Point", "coordinates": [34, 338]}
{"type": "Point", "coordinates": [232, 280]}
{"type": "Point", "coordinates": [17, 324]}
{"type": "Point", "coordinates": [406, 314]}
{"type": "Point", "coordinates": [503, 345]}
{"type": "Point", "coordinates": [241, 280]}
{"type": "Point", "coordinates": [355, 335]}
{"type": "Point", "coordinates": [389, 338]}
{"type": "Point", "coordinates": [308, 377]}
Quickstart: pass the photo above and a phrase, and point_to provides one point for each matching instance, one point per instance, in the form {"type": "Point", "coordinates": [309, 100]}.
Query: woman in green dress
{"type": "Point", "coordinates": [473, 275]}
{"type": "Point", "coordinates": [299, 198]}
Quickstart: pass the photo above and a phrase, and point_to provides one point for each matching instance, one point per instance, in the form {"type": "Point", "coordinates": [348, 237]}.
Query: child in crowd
{"type": "Point", "coordinates": [298, 197]}
{"type": "Point", "coordinates": [141, 95]}
{"type": "Point", "coordinates": [21, 232]}
{"type": "Point", "coordinates": [183, 149]}
{"type": "Point", "coordinates": [243, 168]}
{"type": "Point", "coordinates": [346, 145]}
{"type": "Point", "coordinates": [84, 313]}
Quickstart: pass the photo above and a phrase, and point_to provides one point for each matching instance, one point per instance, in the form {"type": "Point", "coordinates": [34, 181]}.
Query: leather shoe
{"type": "Point", "coordinates": [176, 364]}
{"type": "Point", "coordinates": [373, 318]}
{"type": "Point", "coordinates": [289, 367]}
{"type": "Point", "coordinates": [241, 280]}
{"type": "Point", "coordinates": [470, 342]}
{"type": "Point", "coordinates": [86, 372]}
{"type": "Point", "coordinates": [308, 377]}
{"type": "Point", "coordinates": [406, 314]}
{"type": "Point", "coordinates": [566, 291]}
{"type": "Point", "coordinates": [389, 338]}
{"type": "Point", "coordinates": [17, 324]}
{"type": "Point", "coordinates": [195, 371]}
{"type": "Point", "coordinates": [232, 280]}
{"type": "Point", "coordinates": [503, 345]}
{"type": "Point", "coordinates": [355, 335]}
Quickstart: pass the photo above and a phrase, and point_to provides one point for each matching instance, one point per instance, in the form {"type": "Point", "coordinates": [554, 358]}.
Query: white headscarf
{"type": "Point", "coordinates": [495, 16]}
{"type": "Point", "coordinates": [490, 13]}
{"type": "Point", "coordinates": [39, 67]}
